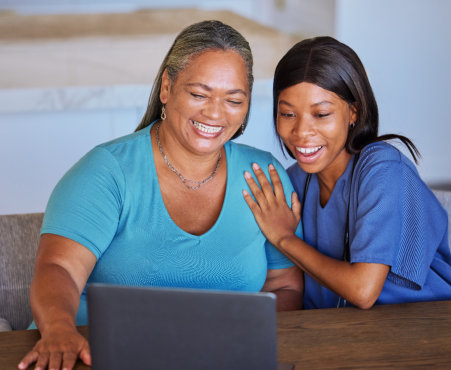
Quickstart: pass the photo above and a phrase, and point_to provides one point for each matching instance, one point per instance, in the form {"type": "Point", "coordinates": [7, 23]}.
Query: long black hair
{"type": "Point", "coordinates": [335, 67]}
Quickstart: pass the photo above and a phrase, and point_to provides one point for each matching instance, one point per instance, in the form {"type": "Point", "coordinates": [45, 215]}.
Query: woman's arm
{"type": "Point", "coordinates": [358, 283]}
{"type": "Point", "coordinates": [288, 285]}
{"type": "Point", "coordinates": [61, 271]}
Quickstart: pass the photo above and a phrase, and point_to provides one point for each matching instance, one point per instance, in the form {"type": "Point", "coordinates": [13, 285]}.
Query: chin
{"type": "Point", "coordinates": [309, 167]}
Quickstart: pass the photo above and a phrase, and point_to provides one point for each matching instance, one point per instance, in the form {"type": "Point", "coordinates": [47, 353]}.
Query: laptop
{"type": "Point", "coordinates": [172, 328]}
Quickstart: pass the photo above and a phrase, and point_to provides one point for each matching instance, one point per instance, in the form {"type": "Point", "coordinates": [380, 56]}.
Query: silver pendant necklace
{"type": "Point", "coordinates": [185, 181]}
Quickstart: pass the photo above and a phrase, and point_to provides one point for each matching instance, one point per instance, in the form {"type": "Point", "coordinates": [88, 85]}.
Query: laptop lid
{"type": "Point", "coordinates": [165, 328]}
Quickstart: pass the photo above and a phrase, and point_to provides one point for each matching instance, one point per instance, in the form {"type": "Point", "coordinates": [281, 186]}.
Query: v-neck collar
{"type": "Point", "coordinates": [160, 196]}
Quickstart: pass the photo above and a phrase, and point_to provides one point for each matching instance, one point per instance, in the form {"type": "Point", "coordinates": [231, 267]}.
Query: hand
{"type": "Point", "coordinates": [271, 211]}
{"type": "Point", "coordinates": [58, 348]}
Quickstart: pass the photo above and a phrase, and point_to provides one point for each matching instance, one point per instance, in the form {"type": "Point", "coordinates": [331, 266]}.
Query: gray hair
{"type": "Point", "coordinates": [192, 41]}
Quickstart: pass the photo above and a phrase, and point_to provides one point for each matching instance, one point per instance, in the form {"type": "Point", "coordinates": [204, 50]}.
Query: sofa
{"type": "Point", "coordinates": [19, 237]}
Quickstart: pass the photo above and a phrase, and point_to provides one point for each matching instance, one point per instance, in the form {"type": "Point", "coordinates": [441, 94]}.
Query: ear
{"type": "Point", "coordinates": [353, 113]}
{"type": "Point", "coordinates": [165, 87]}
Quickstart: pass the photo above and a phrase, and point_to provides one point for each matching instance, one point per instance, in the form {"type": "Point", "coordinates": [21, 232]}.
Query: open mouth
{"type": "Point", "coordinates": [308, 155]}
{"type": "Point", "coordinates": [309, 151]}
{"type": "Point", "coordinates": [207, 128]}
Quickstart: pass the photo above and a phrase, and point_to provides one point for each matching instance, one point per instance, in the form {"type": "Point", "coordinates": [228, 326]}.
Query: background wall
{"type": "Point", "coordinates": [294, 16]}
{"type": "Point", "coordinates": [405, 47]}
{"type": "Point", "coordinates": [45, 128]}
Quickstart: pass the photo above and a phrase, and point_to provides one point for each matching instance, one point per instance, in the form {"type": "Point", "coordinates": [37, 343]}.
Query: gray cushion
{"type": "Point", "coordinates": [19, 237]}
{"type": "Point", "coordinates": [444, 196]}
{"type": "Point", "coordinates": [4, 325]}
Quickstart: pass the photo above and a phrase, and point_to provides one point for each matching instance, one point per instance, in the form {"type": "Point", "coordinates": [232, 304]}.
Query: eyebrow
{"type": "Point", "coordinates": [313, 105]}
{"type": "Point", "coordinates": [208, 88]}
{"type": "Point", "coordinates": [321, 103]}
{"type": "Point", "coordinates": [285, 103]}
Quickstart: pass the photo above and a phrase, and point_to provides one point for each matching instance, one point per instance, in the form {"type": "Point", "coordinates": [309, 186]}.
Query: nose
{"type": "Point", "coordinates": [213, 109]}
{"type": "Point", "coordinates": [303, 127]}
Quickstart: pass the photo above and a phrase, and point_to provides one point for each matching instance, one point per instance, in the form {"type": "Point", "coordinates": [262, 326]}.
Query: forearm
{"type": "Point", "coordinates": [359, 283]}
{"type": "Point", "coordinates": [54, 297]}
{"type": "Point", "coordinates": [288, 299]}
{"type": "Point", "coordinates": [288, 286]}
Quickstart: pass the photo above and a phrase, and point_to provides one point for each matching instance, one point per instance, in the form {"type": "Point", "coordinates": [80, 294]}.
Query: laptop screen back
{"type": "Point", "coordinates": [156, 328]}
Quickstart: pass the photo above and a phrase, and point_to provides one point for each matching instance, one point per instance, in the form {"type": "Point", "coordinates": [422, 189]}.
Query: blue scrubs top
{"type": "Point", "coordinates": [394, 220]}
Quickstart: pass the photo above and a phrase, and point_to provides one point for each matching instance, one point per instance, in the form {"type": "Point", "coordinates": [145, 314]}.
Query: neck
{"type": "Point", "coordinates": [185, 163]}
{"type": "Point", "coordinates": [330, 175]}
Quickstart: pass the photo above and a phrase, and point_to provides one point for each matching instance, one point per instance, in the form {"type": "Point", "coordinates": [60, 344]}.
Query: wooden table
{"type": "Point", "coordinates": [393, 336]}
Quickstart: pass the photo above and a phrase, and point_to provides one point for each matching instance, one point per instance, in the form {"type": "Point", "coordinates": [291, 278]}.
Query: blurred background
{"type": "Point", "coordinates": [76, 73]}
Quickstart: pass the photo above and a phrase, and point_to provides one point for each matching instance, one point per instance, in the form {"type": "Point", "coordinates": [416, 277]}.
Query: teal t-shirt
{"type": "Point", "coordinates": [111, 203]}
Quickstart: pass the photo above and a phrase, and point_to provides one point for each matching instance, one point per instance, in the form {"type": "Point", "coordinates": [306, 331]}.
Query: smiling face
{"type": "Point", "coordinates": [314, 123]}
{"type": "Point", "coordinates": [206, 103]}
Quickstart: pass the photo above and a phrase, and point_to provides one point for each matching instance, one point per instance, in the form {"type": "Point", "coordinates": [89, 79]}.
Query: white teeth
{"type": "Point", "coordinates": [308, 150]}
{"type": "Point", "coordinates": [207, 129]}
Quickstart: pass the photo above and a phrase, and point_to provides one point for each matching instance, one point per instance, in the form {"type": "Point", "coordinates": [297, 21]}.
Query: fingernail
{"type": "Point", "coordinates": [247, 175]}
{"type": "Point", "coordinates": [255, 166]}
{"type": "Point", "coordinates": [245, 192]}
{"type": "Point", "coordinates": [271, 167]}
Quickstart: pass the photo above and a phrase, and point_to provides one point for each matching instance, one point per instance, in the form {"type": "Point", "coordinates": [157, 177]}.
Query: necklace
{"type": "Point", "coordinates": [185, 181]}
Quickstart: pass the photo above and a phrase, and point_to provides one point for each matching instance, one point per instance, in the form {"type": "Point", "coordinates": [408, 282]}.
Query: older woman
{"type": "Point", "coordinates": [162, 206]}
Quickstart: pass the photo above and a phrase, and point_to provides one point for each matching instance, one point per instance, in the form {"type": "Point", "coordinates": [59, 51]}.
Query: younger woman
{"type": "Point", "coordinates": [374, 233]}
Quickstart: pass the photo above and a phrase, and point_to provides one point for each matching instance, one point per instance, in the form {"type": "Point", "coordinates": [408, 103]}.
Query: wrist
{"type": "Point", "coordinates": [285, 242]}
{"type": "Point", "coordinates": [56, 325]}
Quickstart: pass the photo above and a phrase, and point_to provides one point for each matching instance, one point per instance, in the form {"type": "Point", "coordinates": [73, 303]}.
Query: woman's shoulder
{"type": "Point", "coordinates": [383, 167]}
{"type": "Point", "coordinates": [247, 150]}
{"type": "Point", "coordinates": [243, 156]}
{"type": "Point", "coordinates": [128, 141]}
{"type": "Point", "coordinates": [249, 154]}
{"type": "Point", "coordinates": [112, 156]}
{"type": "Point", "coordinates": [382, 151]}
{"type": "Point", "coordinates": [383, 154]}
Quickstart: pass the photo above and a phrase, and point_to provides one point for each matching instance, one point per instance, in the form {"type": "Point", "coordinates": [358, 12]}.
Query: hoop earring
{"type": "Point", "coordinates": [242, 128]}
{"type": "Point", "coordinates": [163, 113]}
{"type": "Point", "coordinates": [352, 125]}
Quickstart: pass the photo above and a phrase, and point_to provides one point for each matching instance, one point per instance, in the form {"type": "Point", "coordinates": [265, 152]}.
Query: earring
{"type": "Point", "coordinates": [163, 113]}
{"type": "Point", "coordinates": [352, 125]}
{"type": "Point", "coordinates": [242, 128]}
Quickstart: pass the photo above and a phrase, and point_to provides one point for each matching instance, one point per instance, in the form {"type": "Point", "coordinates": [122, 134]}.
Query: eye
{"type": "Point", "coordinates": [287, 115]}
{"type": "Point", "coordinates": [197, 96]}
{"type": "Point", "coordinates": [322, 115]}
{"type": "Point", "coordinates": [235, 102]}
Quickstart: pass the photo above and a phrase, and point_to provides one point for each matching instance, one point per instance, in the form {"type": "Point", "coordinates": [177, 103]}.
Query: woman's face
{"type": "Point", "coordinates": [207, 102]}
{"type": "Point", "coordinates": [314, 124]}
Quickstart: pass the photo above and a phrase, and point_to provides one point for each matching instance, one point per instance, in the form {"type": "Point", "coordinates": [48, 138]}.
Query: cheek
{"type": "Point", "coordinates": [344, 132]}
{"type": "Point", "coordinates": [185, 106]}
{"type": "Point", "coordinates": [284, 130]}
{"type": "Point", "coordinates": [236, 114]}
{"type": "Point", "coordinates": [335, 131]}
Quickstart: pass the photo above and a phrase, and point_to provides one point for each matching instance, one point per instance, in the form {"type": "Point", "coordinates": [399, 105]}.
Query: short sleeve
{"type": "Point", "coordinates": [86, 203]}
{"type": "Point", "coordinates": [275, 258]}
{"type": "Point", "coordinates": [423, 226]}
{"type": "Point", "coordinates": [397, 221]}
